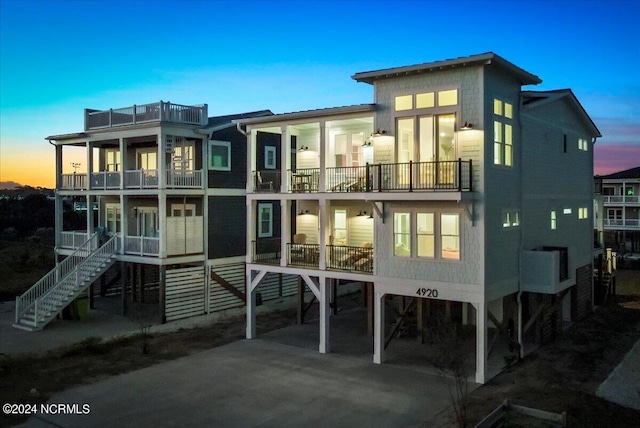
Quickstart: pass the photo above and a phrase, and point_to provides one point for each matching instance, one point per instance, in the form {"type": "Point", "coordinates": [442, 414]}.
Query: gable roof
{"type": "Point", "coordinates": [539, 98]}
{"type": "Point", "coordinates": [306, 114]}
{"type": "Point", "coordinates": [217, 123]}
{"type": "Point", "coordinates": [523, 76]}
{"type": "Point", "coordinates": [627, 173]}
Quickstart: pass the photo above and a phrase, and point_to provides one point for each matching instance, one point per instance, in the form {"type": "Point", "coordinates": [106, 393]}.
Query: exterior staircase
{"type": "Point", "coordinates": [49, 296]}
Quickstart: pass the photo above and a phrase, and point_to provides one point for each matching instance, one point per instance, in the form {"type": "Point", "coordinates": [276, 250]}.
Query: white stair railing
{"type": "Point", "coordinates": [62, 269]}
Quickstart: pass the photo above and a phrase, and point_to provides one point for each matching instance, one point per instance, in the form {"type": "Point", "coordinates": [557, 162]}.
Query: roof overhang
{"type": "Point", "coordinates": [523, 76]}
{"type": "Point", "coordinates": [308, 114]}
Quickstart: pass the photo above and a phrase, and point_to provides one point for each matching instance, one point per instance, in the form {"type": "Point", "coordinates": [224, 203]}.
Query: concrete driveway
{"type": "Point", "coordinates": [257, 383]}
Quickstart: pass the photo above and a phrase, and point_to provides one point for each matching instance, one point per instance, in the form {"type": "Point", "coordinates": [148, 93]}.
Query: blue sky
{"type": "Point", "coordinates": [59, 57]}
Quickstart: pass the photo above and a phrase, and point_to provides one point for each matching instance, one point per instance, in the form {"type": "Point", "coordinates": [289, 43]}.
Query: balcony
{"type": "Point", "coordinates": [146, 113]}
{"type": "Point", "coordinates": [266, 251]}
{"type": "Point", "coordinates": [134, 179]}
{"type": "Point", "coordinates": [304, 255]}
{"type": "Point", "coordinates": [142, 245]}
{"type": "Point", "coordinates": [628, 223]}
{"type": "Point", "coordinates": [621, 200]}
{"type": "Point", "coordinates": [444, 176]}
{"type": "Point", "coordinates": [545, 270]}
{"type": "Point", "coordinates": [352, 259]}
{"type": "Point", "coordinates": [73, 239]}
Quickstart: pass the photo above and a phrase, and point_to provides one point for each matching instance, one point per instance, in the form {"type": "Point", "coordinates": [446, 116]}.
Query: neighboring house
{"type": "Point", "coordinates": [618, 202]}
{"type": "Point", "coordinates": [455, 188]}
{"type": "Point", "coordinates": [167, 187]}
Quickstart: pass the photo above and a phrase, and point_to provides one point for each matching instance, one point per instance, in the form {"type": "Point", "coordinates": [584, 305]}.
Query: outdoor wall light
{"type": "Point", "coordinates": [362, 213]}
{"type": "Point", "coordinates": [303, 148]}
{"type": "Point", "coordinates": [467, 126]}
{"type": "Point", "coordinates": [303, 212]}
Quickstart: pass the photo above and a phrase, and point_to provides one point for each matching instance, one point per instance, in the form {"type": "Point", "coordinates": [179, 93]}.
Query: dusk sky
{"type": "Point", "coordinates": [59, 57]}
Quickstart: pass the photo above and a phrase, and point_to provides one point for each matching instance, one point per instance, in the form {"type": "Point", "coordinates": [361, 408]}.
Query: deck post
{"type": "Point", "coordinates": [123, 286]}
{"type": "Point", "coordinates": [250, 294]}
{"type": "Point", "coordinates": [481, 341]}
{"type": "Point", "coordinates": [325, 314]}
{"type": "Point", "coordinates": [301, 286]}
{"type": "Point", "coordinates": [162, 294]}
{"type": "Point", "coordinates": [378, 334]}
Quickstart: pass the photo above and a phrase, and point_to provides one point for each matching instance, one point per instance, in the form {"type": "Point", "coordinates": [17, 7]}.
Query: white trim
{"type": "Point", "coordinates": [262, 233]}
{"type": "Point", "coordinates": [219, 143]}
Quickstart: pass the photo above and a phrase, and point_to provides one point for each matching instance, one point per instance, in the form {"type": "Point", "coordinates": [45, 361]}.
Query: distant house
{"type": "Point", "coordinates": [167, 187]}
{"type": "Point", "coordinates": [456, 190]}
{"type": "Point", "coordinates": [619, 208]}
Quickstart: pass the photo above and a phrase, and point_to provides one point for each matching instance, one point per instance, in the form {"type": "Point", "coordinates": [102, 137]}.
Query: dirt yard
{"type": "Point", "coordinates": [564, 375]}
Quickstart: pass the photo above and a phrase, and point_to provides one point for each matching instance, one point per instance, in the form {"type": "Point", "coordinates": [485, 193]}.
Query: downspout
{"type": "Point", "coordinates": [519, 295]}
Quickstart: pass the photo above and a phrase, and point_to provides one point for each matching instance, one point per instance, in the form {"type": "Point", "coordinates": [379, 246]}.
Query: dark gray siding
{"type": "Point", "coordinates": [236, 178]}
{"type": "Point", "coordinates": [227, 226]}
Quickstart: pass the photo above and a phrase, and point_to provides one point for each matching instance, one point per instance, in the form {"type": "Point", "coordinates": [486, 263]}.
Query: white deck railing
{"type": "Point", "coordinates": [187, 179]}
{"type": "Point", "coordinates": [105, 180]}
{"type": "Point", "coordinates": [154, 112]}
{"type": "Point", "coordinates": [141, 179]}
{"type": "Point", "coordinates": [622, 200]}
{"type": "Point", "coordinates": [628, 222]}
{"type": "Point", "coordinates": [142, 245]}
{"type": "Point", "coordinates": [62, 269]}
{"type": "Point", "coordinates": [73, 181]}
{"type": "Point", "coordinates": [73, 239]}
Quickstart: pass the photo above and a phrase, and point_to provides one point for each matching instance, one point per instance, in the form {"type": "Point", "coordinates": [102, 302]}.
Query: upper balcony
{"type": "Point", "coordinates": [622, 200]}
{"type": "Point", "coordinates": [443, 176]}
{"type": "Point", "coordinates": [146, 113]}
{"type": "Point", "coordinates": [134, 179]}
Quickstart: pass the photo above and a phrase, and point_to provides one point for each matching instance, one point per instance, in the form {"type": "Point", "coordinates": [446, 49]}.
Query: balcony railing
{"type": "Point", "coordinates": [142, 245]}
{"type": "Point", "coordinates": [266, 251]}
{"type": "Point", "coordinates": [105, 180]}
{"type": "Point", "coordinates": [73, 181]}
{"type": "Point", "coordinates": [628, 222]}
{"type": "Point", "coordinates": [137, 114]}
{"type": "Point", "coordinates": [622, 200]}
{"type": "Point", "coordinates": [353, 259]}
{"type": "Point", "coordinates": [306, 255]}
{"type": "Point", "coordinates": [452, 176]}
{"type": "Point", "coordinates": [134, 179]}
{"type": "Point", "coordinates": [266, 181]}
{"type": "Point", "coordinates": [73, 239]}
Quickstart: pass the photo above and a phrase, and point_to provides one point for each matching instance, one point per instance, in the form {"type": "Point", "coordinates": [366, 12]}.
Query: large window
{"type": "Point", "coordinates": [340, 227]}
{"type": "Point", "coordinates": [220, 155]}
{"type": "Point", "coordinates": [265, 220]}
{"type": "Point", "coordinates": [402, 234]}
{"type": "Point", "coordinates": [502, 133]}
{"type": "Point", "coordinates": [112, 160]}
{"type": "Point", "coordinates": [445, 98]}
{"type": "Point", "coordinates": [147, 159]}
{"type": "Point", "coordinates": [114, 215]}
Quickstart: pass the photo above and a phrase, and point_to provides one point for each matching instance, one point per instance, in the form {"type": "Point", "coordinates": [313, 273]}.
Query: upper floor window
{"type": "Point", "coordinates": [425, 232]}
{"type": "Point", "coordinates": [402, 234]}
{"type": "Point", "coordinates": [112, 160]}
{"type": "Point", "coordinates": [554, 220]}
{"type": "Point", "coordinates": [437, 235]}
{"type": "Point", "coordinates": [448, 97]}
{"type": "Point", "coordinates": [510, 219]}
{"type": "Point", "coordinates": [583, 145]}
{"type": "Point", "coordinates": [219, 155]}
{"type": "Point", "coordinates": [450, 236]}
{"type": "Point", "coordinates": [583, 213]}
{"type": "Point", "coordinates": [502, 133]}
{"type": "Point", "coordinates": [265, 220]}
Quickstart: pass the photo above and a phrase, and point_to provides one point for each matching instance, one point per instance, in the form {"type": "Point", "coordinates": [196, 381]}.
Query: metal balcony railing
{"type": "Point", "coordinates": [353, 259]}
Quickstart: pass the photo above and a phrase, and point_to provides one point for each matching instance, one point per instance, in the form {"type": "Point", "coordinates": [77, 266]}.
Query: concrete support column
{"type": "Point", "coordinates": [325, 314]}
{"type": "Point", "coordinates": [378, 328]}
{"type": "Point", "coordinates": [481, 341]}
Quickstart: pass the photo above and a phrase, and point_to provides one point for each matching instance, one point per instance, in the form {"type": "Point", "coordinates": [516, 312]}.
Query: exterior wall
{"type": "Point", "coordinates": [227, 226]}
{"type": "Point", "coordinates": [468, 270]}
{"type": "Point", "coordinates": [469, 82]}
{"type": "Point", "coordinates": [502, 191]}
{"type": "Point", "coordinates": [236, 178]}
{"type": "Point", "coordinates": [555, 180]}
{"type": "Point", "coordinates": [583, 298]}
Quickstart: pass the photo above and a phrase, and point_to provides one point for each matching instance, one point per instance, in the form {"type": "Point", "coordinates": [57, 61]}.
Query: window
{"type": "Point", "coordinates": [554, 220]}
{"type": "Point", "coordinates": [219, 155]}
{"type": "Point", "coordinates": [583, 145]}
{"type": "Point", "coordinates": [583, 213]}
{"type": "Point", "coordinates": [340, 149]}
{"type": "Point", "coordinates": [404, 102]}
{"type": "Point", "coordinates": [510, 218]}
{"type": "Point", "coordinates": [450, 235]}
{"type": "Point", "coordinates": [502, 133]}
{"type": "Point", "coordinates": [114, 216]}
{"type": "Point", "coordinates": [270, 157]}
{"type": "Point", "coordinates": [340, 227]}
{"type": "Point", "coordinates": [628, 191]}
{"type": "Point", "coordinates": [448, 98]}
{"type": "Point", "coordinates": [112, 160]}
{"type": "Point", "coordinates": [426, 236]}
{"type": "Point", "coordinates": [566, 211]}
{"type": "Point", "coordinates": [183, 210]}
{"type": "Point", "coordinates": [402, 234]}
{"type": "Point", "coordinates": [265, 220]}
{"type": "Point", "coordinates": [515, 219]}
{"type": "Point", "coordinates": [426, 100]}
{"type": "Point", "coordinates": [183, 155]}
{"type": "Point", "coordinates": [506, 219]}
{"type": "Point", "coordinates": [147, 159]}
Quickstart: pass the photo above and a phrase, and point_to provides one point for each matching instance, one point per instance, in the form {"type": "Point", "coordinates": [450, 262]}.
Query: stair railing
{"type": "Point", "coordinates": [79, 274]}
{"type": "Point", "coordinates": [61, 270]}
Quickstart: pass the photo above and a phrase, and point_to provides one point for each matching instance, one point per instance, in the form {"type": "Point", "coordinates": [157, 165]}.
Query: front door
{"type": "Point", "coordinates": [147, 222]}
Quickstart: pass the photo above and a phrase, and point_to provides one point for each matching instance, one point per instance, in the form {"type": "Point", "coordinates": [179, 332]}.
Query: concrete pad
{"type": "Point", "coordinates": [257, 383]}
{"type": "Point", "coordinates": [623, 384]}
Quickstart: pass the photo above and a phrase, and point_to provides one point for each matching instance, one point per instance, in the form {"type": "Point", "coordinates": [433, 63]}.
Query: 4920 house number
{"type": "Point", "coordinates": [427, 292]}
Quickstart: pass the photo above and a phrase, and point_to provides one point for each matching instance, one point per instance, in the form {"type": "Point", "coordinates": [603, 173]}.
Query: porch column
{"type": "Point", "coordinates": [162, 161]}
{"type": "Point", "coordinates": [251, 160]}
{"type": "Point", "coordinates": [124, 221]}
{"type": "Point", "coordinates": [89, 163]}
{"type": "Point", "coordinates": [323, 215]}
{"type": "Point", "coordinates": [162, 224]}
{"type": "Point", "coordinates": [378, 327]}
{"type": "Point", "coordinates": [59, 222]}
{"type": "Point", "coordinates": [285, 229]}
{"type": "Point", "coordinates": [325, 285]}
{"type": "Point", "coordinates": [251, 306]}
{"type": "Point", "coordinates": [58, 167]}
{"type": "Point", "coordinates": [323, 159]}
{"type": "Point", "coordinates": [123, 161]}
{"type": "Point", "coordinates": [285, 150]}
{"type": "Point", "coordinates": [251, 229]}
{"type": "Point", "coordinates": [89, 215]}
{"type": "Point", "coordinates": [481, 341]}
